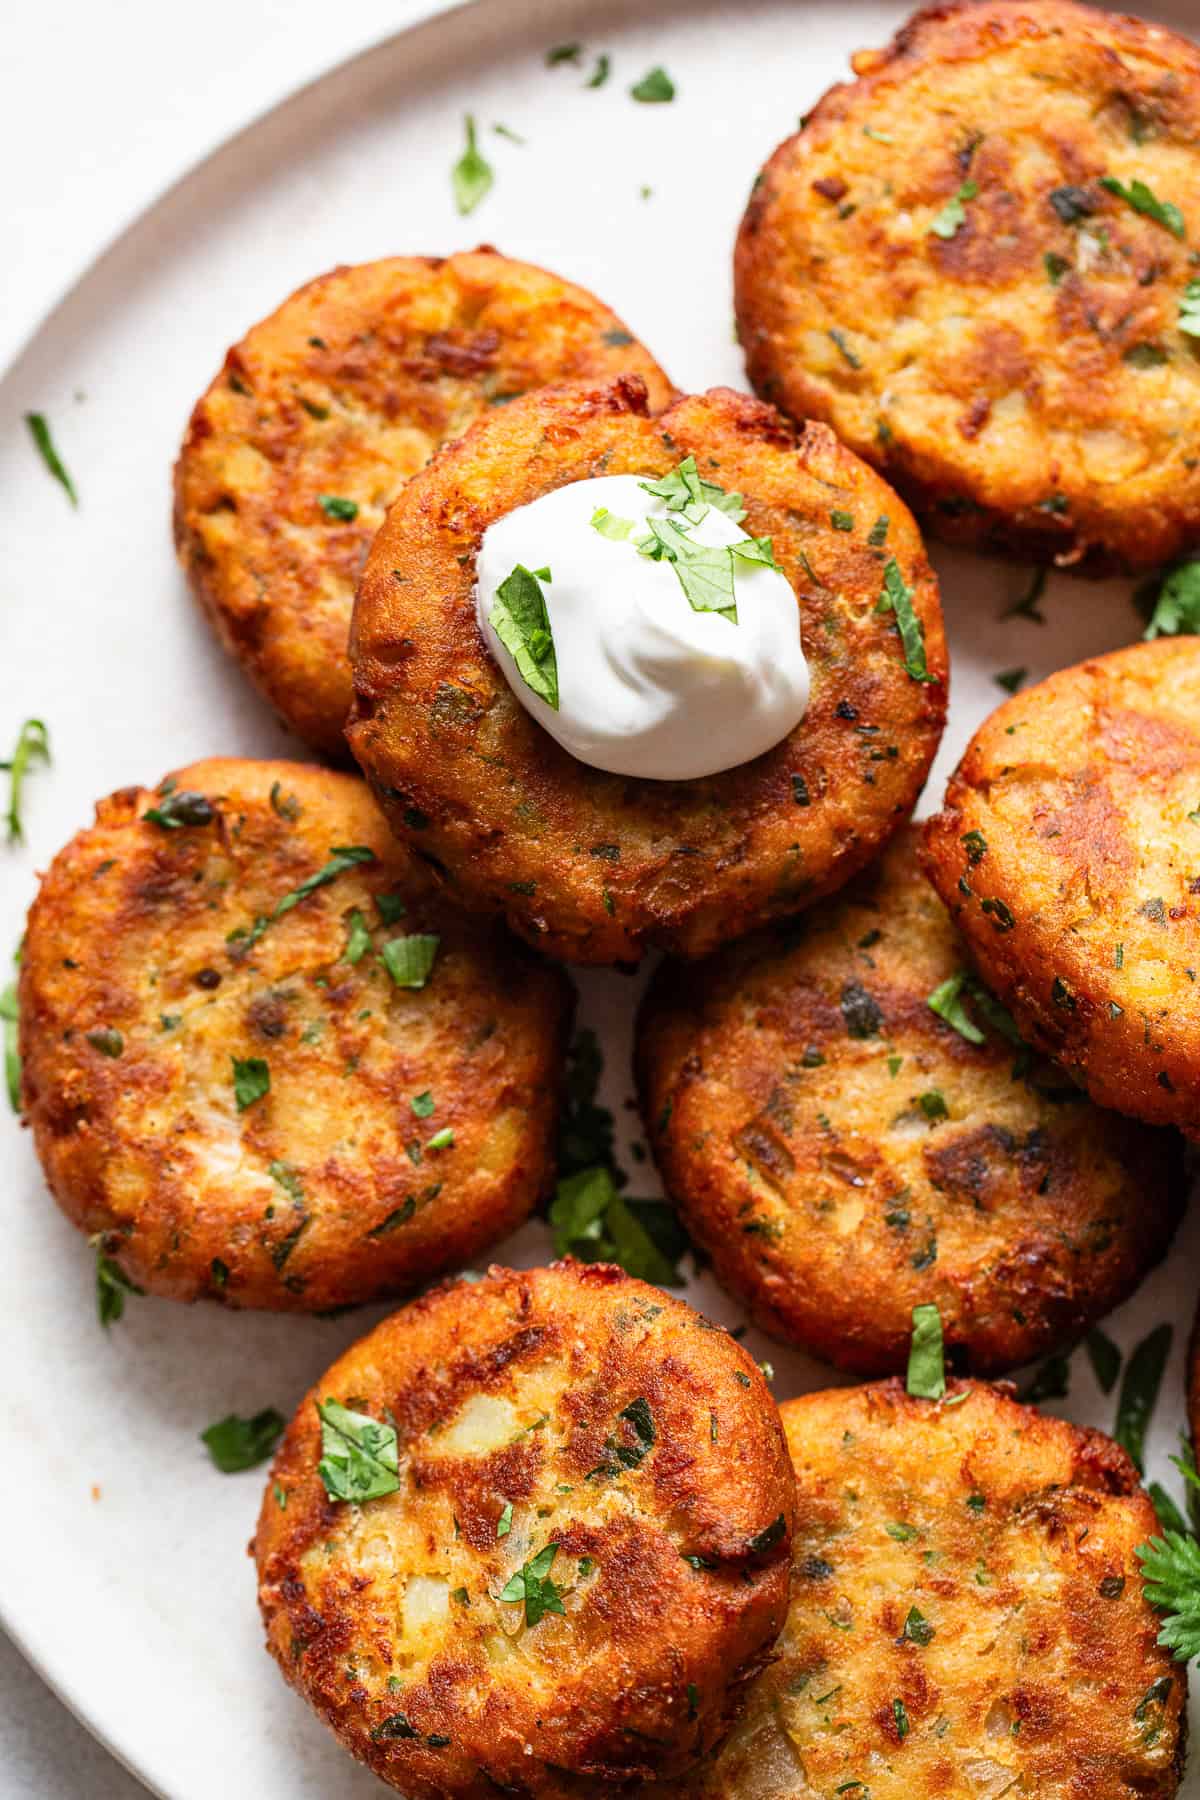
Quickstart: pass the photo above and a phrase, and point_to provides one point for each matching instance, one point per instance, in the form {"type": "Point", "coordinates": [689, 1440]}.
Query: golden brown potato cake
{"type": "Point", "coordinates": [1068, 850]}
{"type": "Point", "coordinates": [843, 1153]}
{"type": "Point", "coordinates": [967, 1616]}
{"type": "Point", "coordinates": [974, 262]}
{"type": "Point", "coordinates": [264, 1061]}
{"type": "Point", "coordinates": [579, 1552]}
{"type": "Point", "coordinates": [319, 417]}
{"type": "Point", "coordinates": [596, 867]}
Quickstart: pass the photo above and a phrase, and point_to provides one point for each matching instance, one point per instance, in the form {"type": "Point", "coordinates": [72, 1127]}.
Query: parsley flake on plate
{"type": "Point", "coordinates": [12, 1056]}
{"type": "Point", "coordinates": [39, 431]}
{"type": "Point", "coordinates": [532, 1585]}
{"type": "Point", "coordinates": [654, 88]}
{"type": "Point", "coordinates": [112, 1285]}
{"type": "Point", "coordinates": [32, 745]}
{"type": "Point", "coordinates": [521, 621]}
{"type": "Point", "coordinates": [472, 176]}
{"type": "Point", "coordinates": [1138, 1397]}
{"type": "Point", "coordinates": [360, 1458]}
{"type": "Point", "coordinates": [235, 1444]}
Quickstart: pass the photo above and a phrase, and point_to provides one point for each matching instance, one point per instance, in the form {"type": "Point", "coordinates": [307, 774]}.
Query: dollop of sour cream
{"type": "Point", "coordinates": [645, 683]}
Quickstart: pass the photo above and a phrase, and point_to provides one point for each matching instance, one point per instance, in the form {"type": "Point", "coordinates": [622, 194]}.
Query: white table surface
{"type": "Point", "coordinates": [103, 108]}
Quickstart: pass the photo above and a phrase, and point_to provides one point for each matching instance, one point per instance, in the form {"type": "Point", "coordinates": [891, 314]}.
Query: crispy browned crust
{"type": "Point", "coordinates": [346, 390]}
{"type": "Point", "coordinates": [1082, 905]}
{"type": "Point", "coordinates": [830, 1201]}
{"type": "Point", "coordinates": [683, 1581]}
{"type": "Point", "coordinates": [1013, 1537]}
{"type": "Point", "coordinates": [1020, 404]}
{"type": "Point", "coordinates": [596, 867]}
{"type": "Point", "coordinates": [325, 1191]}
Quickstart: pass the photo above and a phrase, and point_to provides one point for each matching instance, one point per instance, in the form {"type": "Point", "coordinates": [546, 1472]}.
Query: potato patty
{"type": "Point", "coordinates": [595, 867]}
{"type": "Point", "coordinates": [844, 1153]}
{"type": "Point", "coordinates": [1068, 850]}
{"type": "Point", "coordinates": [974, 263]}
{"type": "Point", "coordinates": [263, 1059]}
{"type": "Point", "coordinates": [319, 417]}
{"type": "Point", "coordinates": [967, 1617]}
{"type": "Point", "coordinates": [579, 1553]}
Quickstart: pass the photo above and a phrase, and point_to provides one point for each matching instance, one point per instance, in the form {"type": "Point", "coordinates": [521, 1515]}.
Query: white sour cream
{"type": "Point", "coordinates": [647, 685]}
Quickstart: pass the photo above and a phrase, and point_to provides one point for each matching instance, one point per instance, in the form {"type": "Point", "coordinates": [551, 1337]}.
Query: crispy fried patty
{"type": "Point", "coordinates": [967, 1618]}
{"type": "Point", "coordinates": [567, 1418]}
{"type": "Point", "coordinates": [844, 1154]}
{"type": "Point", "coordinates": [319, 417]}
{"type": "Point", "coordinates": [1068, 850]}
{"type": "Point", "coordinates": [936, 266]}
{"type": "Point", "coordinates": [594, 866]}
{"type": "Point", "coordinates": [238, 1084]}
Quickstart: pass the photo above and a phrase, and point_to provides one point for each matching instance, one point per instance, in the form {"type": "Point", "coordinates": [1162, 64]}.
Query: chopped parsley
{"type": "Point", "coordinates": [897, 597]}
{"type": "Point", "coordinates": [12, 1055]}
{"type": "Point", "coordinates": [251, 1080]}
{"type": "Point", "coordinates": [1143, 200]}
{"type": "Point", "coordinates": [423, 1105]}
{"type": "Point", "coordinates": [441, 1140]}
{"type": "Point", "coordinates": [946, 1001]}
{"type": "Point", "coordinates": [235, 1444]}
{"type": "Point", "coordinates": [521, 622]}
{"type": "Point", "coordinates": [360, 1458]}
{"type": "Point", "coordinates": [595, 1223]}
{"type": "Point", "coordinates": [954, 214]}
{"type": "Point", "coordinates": [917, 1628]}
{"type": "Point", "coordinates": [112, 1285]}
{"type": "Point", "coordinates": [1189, 309]}
{"type": "Point", "coordinates": [1139, 1392]}
{"type": "Point", "coordinates": [33, 745]}
{"type": "Point", "coordinates": [600, 73]}
{"type": "Point", "coordinates": [654, 88]}
{"type": "Point", "coordinates": [39, 431]}
{"type": "Point", "coordinates": [471, 177]}
{"type": "Point", "coordinates": [532, 1585]}
{"type": "Point", "coordinates": [334, 506]}
{"type": "Point", "coordinates": [1177, 605]}
{"type": "Point", "coordinates": [1171, 1574]}
{"type": "Point", "coordinates": [504, 1522]}
{"type": "Point", "coordinates": [358, 937]}
{"type": "Point", "coordinates": [409, 960]}
{"type": "Point", "coordinates": [341, 858]}
{"type": "Point", "coordinates": [1104, 1357]}
{"type": "Point", "coordinates": [563, 53]}
{"type": "Point", "coordinates": [107, 1041]}
{"type": "Point", "coordinates": [1011, 680]}
{"type": "Point", "coordinates": [901, 1717]}
{"type": "Point", "coordinates": [178, 809]}
{"type": "Point", "coordinates": [926, 1378]}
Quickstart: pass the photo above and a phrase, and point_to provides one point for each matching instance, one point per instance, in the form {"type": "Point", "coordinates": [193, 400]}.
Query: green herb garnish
{"type": "Point", "coordinates": [179, 809]}
{"type": "Point", "coordinates": [897, 597]}
{"type": "Point", "coordinates": [1171, 1574]}
{"type": "Point", "coordinates": [954, 214]}
{"type": "Point", "coordinates": [1189, 309]}
{"type": "Point", "coordinates": [409, 960]}
{"type": "Point", "coordinates": [946, 1001]}
{"type": "Point", "coordinates": [9, 1014]}
{"type": "Point", "coordinates": [235, 1444]}
{"type": "Point", "coordinates": [1104, 1357]}
{"type": "Point", "coordinates": [251, 1080]}
{"type": "Point", "coordinates": [1177, 605]}
{"type": "Point", "coordinates": [112, 1285]}
{"type": "Point", "coordinates": [1139, 1392]}
{"type": "Point", "coordinates": [522, 623]}
{"type": "Point", "coordinates": [926, 1360]}
{"type": "Point", "coordinates": [39, 431]}
{"type": "Point", "coordinates": [532, 1584]}
{"type": "Point", "coordinates": [1144, 200]}
{"type": "Point", "coordinates": [610, 524]}
{"type": "Point", "coordinates": [335, 507]}
{"type": "Point", "coordinates": [358, 937]}
{"type": "Point", "coordinates": [471, 176]}
{"type": "Point", "coordinates": [655, 87]}
{"type": "Point", "coordinates": [360, 1458]}
{"type": "Point", "coordinates": [33, 745]}
{"type": "Point", "coordinates": [341, 858]}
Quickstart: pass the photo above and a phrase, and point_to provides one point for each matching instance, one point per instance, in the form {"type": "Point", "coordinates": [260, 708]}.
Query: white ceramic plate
{"type": "Point", "coordinates": [123, 1570]}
